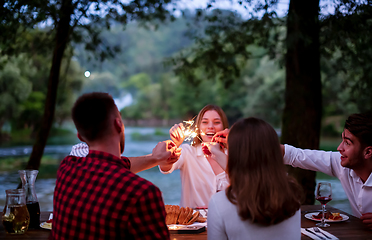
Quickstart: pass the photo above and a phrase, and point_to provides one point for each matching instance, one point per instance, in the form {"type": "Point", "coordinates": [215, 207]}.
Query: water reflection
{"type": "Point", "coordinates": [170, 184]}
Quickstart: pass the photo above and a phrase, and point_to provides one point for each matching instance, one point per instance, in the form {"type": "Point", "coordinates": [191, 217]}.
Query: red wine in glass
{"type": "Point", "coordinates": [323, 200]}
{"type": "Point", "coordinates": [323, 195]}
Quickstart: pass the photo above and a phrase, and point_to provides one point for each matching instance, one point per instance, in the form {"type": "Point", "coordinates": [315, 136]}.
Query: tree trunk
{"type": "Point", "coordinates": [303, 99]}
{"type": "Point", "coordinates": [62, 38]}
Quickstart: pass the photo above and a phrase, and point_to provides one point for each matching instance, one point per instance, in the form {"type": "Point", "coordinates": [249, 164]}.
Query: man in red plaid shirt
{"type": "Point", "coordinates": [98, 196]}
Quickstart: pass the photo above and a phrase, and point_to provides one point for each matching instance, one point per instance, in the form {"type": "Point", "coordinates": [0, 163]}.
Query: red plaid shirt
{"type": "Point", "coordinates": [97, 197]}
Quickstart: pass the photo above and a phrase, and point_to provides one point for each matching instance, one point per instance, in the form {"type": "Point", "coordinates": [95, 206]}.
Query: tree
{"type": "Point", "coordinates": [346, 46]}
{"type": "Point", "coordinates": [303, 98]}
{"type": "Point", "coordinates": [72, 20]}
{"type": "Point", "coordinates": [224, 45]}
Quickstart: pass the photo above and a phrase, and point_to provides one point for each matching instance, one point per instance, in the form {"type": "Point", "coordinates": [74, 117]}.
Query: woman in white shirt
{"type": "Point", "coordinates": [262, 201]}
{"type": "Point", "coordinates": [201, 176]}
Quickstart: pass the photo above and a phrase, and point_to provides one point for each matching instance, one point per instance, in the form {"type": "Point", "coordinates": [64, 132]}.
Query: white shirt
{"type": "Point", "coordinates": [80, 150]}
{"type": "Point", "coordinates": [358, 193]}
{"type": "Point", "coordinates": [224, 223]}
{"type": "Point", "coordinates": [198, 180]}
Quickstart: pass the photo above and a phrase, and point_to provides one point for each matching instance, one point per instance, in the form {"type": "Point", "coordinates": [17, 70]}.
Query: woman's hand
{"type": "Point", "coordinates": [176, 134]}
{"type": "Point", "coordinates": [216, 152]}
{"type": "Point", "coordinates": [221, 137]}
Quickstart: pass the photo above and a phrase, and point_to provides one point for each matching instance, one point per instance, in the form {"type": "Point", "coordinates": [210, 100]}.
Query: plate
{"type": "Point", "coordinates": [310, 216]}
{"type": "Point", "coordinates": [185, 229]}
{"type": "Point", "coordinates": [45, 225]}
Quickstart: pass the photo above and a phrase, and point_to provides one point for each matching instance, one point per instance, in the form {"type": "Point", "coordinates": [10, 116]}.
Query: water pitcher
{"type": "Point", "coordinates": [28, 178]}
{"type": "Point", "coordinates": [16, 218]}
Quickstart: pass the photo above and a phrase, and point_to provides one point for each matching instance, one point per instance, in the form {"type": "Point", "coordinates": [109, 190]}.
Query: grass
{"type": "Point", "coordinates": [329, 144]}
{"type": "Point", "coordinates": [57, 136]}
{"type": "Point", "coordinates": [157, 135]}
{"type": "Point", "coordinates": [48, 167]}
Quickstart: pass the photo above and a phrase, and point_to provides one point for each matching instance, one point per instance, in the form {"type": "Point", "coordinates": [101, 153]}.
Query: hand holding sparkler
{"type": "Point", "coordinates": [176, 134]}
{"type": "Point", "coordinates": [175, 152]}
{"type": "Point", "coordinates": [172, 151]}
{"type": "Point", "coordinates": [221, 137]}
{"type": "Point", "coordinates": [163, 150]}
{"type": "Point", "coordinates": [183, 131]}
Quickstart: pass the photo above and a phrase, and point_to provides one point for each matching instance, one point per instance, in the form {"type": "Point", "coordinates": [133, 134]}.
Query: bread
{"type": "Point", "coordinates": [182, 215]}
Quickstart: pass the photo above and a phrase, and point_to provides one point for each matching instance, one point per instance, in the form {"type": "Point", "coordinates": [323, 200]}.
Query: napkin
{"type": "Point", "coordinates": [313, 236]}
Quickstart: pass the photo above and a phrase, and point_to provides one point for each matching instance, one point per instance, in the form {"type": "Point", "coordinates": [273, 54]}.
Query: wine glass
{"type": "Point", "coordinates": [323, 195]}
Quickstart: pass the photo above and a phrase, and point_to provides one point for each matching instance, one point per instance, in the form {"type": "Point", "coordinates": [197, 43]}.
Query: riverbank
{"type": "Point", "coordinates": [139, 141]}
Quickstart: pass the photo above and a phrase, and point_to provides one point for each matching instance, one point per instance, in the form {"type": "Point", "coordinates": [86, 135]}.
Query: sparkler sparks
{"type": "Point", "coordinates": [189, 130]}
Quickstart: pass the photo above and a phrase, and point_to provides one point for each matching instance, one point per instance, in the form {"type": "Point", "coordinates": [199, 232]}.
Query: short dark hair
{"type": "Point", "coordinates": [92, 113]}
{"type": "Point", "coordinates": [360, 125]}
{"type": "Point", "coordinates": [259, 184]}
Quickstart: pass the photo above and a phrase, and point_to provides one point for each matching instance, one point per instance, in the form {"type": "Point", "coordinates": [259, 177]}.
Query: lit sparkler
{"type": "Point", "coordinates": [189, 130]}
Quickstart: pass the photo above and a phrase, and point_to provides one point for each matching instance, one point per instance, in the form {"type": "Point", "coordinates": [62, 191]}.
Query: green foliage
{"type": "Point", "coordinates": [33, 109]}
{"type": "Point", "coordinates": [346, 44]}
{"type": "Point", "coordinates": [265, 92]}
{"type": "Point", "coordinates": [159, 132]}
{"type": "Point", "coordinates": [103, 82]}
{"type": "Point", "coordinates": [15, 87]}
{"type": "Point", "coordinates": [224, 50]}
{"type": "Point", "coordinates": [47, 170]}
{"type": "Point", "coordinates": [224, 46]}
{"type": "Point", "coordinates": [24, 91]}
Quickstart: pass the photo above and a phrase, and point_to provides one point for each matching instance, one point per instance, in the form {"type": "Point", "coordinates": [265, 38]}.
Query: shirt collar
{"type": "Point", "coordinates": [368, 183]}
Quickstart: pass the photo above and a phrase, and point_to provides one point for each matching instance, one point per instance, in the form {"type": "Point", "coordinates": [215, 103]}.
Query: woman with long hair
{"type": "Point", "coordinates": [201, 176]}
{"type": "Point", "coordinates": [262, 201]}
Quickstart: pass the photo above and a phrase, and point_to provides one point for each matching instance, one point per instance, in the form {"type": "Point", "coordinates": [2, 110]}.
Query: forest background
{"type": "Point", "coordinates": [168, 68]}
{"type": "Point", "coordinates": [147, 90]}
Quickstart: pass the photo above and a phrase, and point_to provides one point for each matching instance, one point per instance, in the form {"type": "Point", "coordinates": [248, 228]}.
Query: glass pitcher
{"type": "Point", "coordinates": [16, 218]}
{"type": "Point", "coordinates": [28, 178]}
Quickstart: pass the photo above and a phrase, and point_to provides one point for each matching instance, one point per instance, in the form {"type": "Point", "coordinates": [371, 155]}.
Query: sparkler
{"type": "Point", "coordinates": [189, 130]}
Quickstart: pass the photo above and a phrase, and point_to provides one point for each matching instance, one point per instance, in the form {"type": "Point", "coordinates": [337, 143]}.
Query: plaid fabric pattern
{"type": "Point", "coordinates": [97, 197]}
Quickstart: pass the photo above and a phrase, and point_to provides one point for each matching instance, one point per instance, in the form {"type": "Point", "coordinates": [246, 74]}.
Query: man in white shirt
{"type": "Point", "coordinates": [352, 164]}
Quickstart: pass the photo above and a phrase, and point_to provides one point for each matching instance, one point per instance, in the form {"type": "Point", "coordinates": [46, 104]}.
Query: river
{"type": "Point", "coordinates": [139, 141]}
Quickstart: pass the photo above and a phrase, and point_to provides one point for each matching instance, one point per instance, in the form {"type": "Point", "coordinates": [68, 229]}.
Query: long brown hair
{"type": "Point", "coordinates": [259, 184]}
{"type": "Point", "coordinates": [199, 118]}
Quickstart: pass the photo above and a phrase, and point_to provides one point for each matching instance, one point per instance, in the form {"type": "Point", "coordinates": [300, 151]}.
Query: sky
{"type": "Point", "coordinates": [282, 6]}
{"type": "Point", "coordinates": [229, 5]}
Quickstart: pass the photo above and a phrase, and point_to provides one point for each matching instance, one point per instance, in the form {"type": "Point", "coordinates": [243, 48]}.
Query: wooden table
{"type": "Point", "coordinates": [350, 229]}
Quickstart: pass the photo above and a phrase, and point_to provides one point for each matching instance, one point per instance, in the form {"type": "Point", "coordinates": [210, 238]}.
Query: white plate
{"type": "Point", "coordinates": [310, 216]}
{"type": "Point", "coordinates": [45, 226]}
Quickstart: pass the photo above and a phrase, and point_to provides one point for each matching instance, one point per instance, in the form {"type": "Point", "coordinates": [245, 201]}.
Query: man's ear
{"type": "Point", "coordinates": [118, 124]}
{"type": "Point", "coordinates": [368, 152]}
{"type": "Point", "coordinates": [80, 137]}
